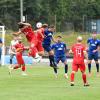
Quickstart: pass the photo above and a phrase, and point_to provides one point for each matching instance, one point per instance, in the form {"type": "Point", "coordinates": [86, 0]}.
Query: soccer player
{"type": "Point", "coordinates": [60, 51]}
{"type": "Point", "coordinates": [48, 33]}
{"type": "Point", "coordinates": [78, 51]}
{"type": "Point", "coordinates": [40, 36]}
{"type": "Point", "coordinates": [11, 50]}
{"type": "Point", "coordinates": [19, 48]}
{"type": "Point", "coordinates": [93, 47]}
{"type": "Point", "coordinates": [27, 30]}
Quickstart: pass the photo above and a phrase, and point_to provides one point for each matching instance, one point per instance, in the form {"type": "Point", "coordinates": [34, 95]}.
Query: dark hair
{"type": "Point", "coordinates": [21, 24]}
{"type": "Point", "coordinates": [45, 25]}
{"type": "Point", "coordinates": [51, 26]}
{"type": "Point", "coordinates": [59, 36]}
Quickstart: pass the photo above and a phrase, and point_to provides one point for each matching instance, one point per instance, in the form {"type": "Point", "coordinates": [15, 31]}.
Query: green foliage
{"type": "Point", "coordinates": [45, 11]}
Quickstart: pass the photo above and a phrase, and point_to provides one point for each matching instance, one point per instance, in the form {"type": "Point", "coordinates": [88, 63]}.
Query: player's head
{"type": "Point", "coordinates": [59, 38]}
{"type": "Point", "coordinates": [45, 26]}
{"type": "Point", "coordinates": [51, 28]}
{"type": "Point", "coordinates": [19, 39]}
{"type": "Point", "coordinates": [94, 35]}
{"type": "Point", "coordinates": [79, 39]}
{"type": "Point", "coordinates": [39, 25]}
{"type": "Point", "coordinates": [20, 25]}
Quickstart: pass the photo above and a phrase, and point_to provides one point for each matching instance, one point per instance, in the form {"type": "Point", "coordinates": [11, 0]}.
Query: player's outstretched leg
{"type": "Point", "coordinates": [34, 53]}
{"type": "Point", "coordinates": [52, 61]}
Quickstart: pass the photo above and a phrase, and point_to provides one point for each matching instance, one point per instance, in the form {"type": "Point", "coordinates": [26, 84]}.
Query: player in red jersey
{"type": "Point", "coordinates": [40, 37]}
{"type": "Point", "coordinates": [27, 30]}
{"type": "Point", "coordinates": [79, 52]}
{"type": "Point", "coordinates": [19, 48]}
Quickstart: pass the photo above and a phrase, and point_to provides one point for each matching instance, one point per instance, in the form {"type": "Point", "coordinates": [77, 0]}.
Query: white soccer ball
{"type": "Point", "coordinates": [39, 25]}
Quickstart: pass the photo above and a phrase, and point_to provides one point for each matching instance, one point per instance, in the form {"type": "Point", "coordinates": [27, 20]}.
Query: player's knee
{"type": "Point", "coordinates": [96, 62]}
{"type": "Point", "coordinates": [83, 72]}
{"type": "Point", "coordinates": [89, 61]}
{"type": "Point", "coordinates": [73, 72]}
{"type": "Point", "coordinates": [65, 62]}
{"type": "Point", "coordinates": [51, 52]}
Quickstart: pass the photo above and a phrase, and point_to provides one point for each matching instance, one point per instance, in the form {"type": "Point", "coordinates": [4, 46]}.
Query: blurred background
{"type": "Point", "coordinates": [66, 15]}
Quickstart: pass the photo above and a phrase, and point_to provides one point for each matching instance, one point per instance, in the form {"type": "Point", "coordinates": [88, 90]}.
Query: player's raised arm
{"type": "Point", "coordinates": [54, 40]}
{"type": "Point", "coordinates": [16, 33]}
{"type": "Point", "coordinates": [26, 24]}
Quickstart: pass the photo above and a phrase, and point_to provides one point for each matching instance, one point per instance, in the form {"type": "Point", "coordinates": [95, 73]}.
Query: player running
{"type": "Point", "coordinates": [93, 47]}
{"type": "Point", "coordinates": [78, 51]}
{"type": "Point", "coordinates": [26, 29]}
{"type": "Point", "coordinates": [60, 51]}
{"type": "Point", "coordinates": [40, 36]}
{"type": "Point", "coordinates": [19, 48]}
{"type": "Point", "coordinates": [48, 33]}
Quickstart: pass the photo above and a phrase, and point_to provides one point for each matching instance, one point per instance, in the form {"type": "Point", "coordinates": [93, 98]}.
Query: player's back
{"type": "Point", "coordinates": [29, 33]}
{"type": "Point", "coordinates": [39, 32]}
{"type": "Point", "coordinates": [48, 37]}
{"type": "Point", "coordinates": [78, 53]}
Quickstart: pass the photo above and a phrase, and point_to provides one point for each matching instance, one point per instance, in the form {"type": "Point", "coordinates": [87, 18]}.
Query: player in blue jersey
{"type": "Point", "coordinates": [48, 38]}
{"type": "Point", "coordinates": [60, 51]}
{"type": "Point", "coordinates": [93, 47]}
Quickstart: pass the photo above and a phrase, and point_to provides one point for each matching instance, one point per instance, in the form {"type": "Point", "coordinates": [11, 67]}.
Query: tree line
{"type": "Point", "coordinates": [50, 11]}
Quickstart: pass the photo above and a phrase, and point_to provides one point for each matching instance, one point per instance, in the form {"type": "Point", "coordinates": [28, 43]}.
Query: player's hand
{"type": "Point", "coordinates": [94, 51]}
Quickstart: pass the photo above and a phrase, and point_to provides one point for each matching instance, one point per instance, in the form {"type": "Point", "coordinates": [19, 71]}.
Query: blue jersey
{"type": "Point", "coordinates": [48, 37]}
{"type": "Point", "coordinates": [60, 49]}
{"type": "Point", "coordinates": [93, 44]}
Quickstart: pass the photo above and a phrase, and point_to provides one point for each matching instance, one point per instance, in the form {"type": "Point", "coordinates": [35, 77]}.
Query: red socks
{"type": "Point", "coordinates": [84, 78]}
{"type": "Point", "coordinates": [16, 67]}
{"type": "Point", "coordinates": [23, 68]}
{"type": "Point", "coordinates": [72, 77]}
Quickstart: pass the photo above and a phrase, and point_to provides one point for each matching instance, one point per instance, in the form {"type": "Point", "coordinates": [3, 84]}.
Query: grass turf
{"type": "Point", "coordinates": [40, 84]}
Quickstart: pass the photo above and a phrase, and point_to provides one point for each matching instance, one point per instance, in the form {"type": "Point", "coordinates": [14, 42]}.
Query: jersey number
{"type": "Point", "coordinates": [78, 52]}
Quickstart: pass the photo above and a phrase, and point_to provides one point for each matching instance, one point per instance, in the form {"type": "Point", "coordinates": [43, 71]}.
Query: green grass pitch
{"type": "Point", "coordinates": [40, 84]}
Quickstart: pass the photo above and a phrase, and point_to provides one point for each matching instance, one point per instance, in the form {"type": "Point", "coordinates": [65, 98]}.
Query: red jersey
{"type": "Point", "coordinates": [19, 46]}
{"type": "Point", "coordinates": [39, 32]}
{"type": "Point", "coordinates": [29, 33]}
{"type": "Point", "coordinates": [78, 51]}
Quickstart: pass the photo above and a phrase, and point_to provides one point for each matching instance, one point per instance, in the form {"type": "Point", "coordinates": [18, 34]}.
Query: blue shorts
{"type": "Point", "coordinates": [93, 56]}
{"type": "Point", "coordinates": [47, 48]}
{"type": "Point", "coordinates": [63, 59]}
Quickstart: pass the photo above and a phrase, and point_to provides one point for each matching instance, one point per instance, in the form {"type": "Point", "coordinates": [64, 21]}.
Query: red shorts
{"type": "Point", "coordinates": [33, 49]}
{"type": "Point", "coordinates": [19, 58]}
{"type": "Point", "coordinates": [39, 46]}
{"type": "Point", "coordinates": [75, 67]}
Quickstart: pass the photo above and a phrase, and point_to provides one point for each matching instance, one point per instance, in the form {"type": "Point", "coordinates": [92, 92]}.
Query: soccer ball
{"type": "Point", "coordinates": [39, 25]}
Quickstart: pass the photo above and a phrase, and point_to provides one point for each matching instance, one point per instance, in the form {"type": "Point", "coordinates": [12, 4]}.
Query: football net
{"type": "Point", "coordinates": [2, 32]}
